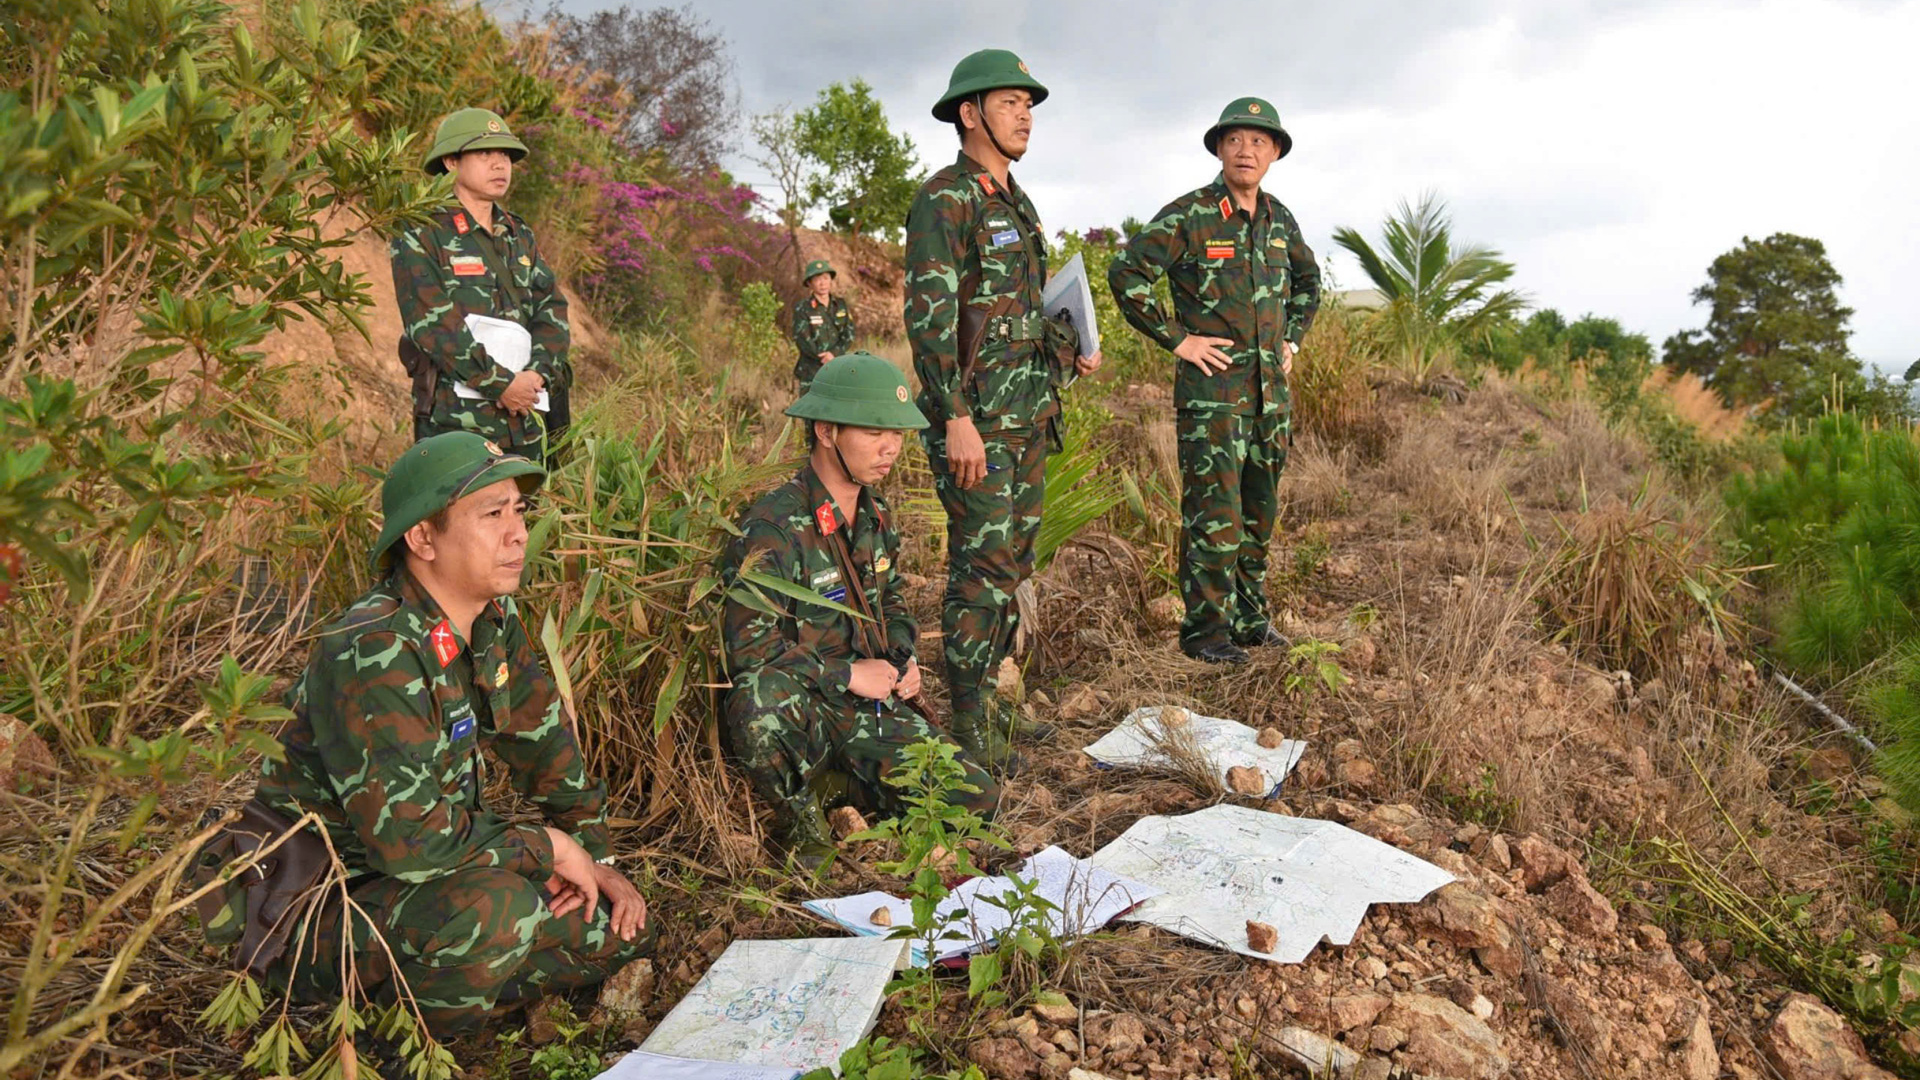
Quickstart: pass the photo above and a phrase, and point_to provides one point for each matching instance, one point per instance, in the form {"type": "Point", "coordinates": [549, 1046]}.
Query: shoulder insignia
{"type": "Point", "coordinates": [823, 515]}
{"type": "Point", "coordinates": [445, 647]}
{"type": "Point", "coordinates": [1226, 207]}
{"type": "Point", "coordinates": [986, 183]}
{"type": "Point", "coordinates": [460, 224]}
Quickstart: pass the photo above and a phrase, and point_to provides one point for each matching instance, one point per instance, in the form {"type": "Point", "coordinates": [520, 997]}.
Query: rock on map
{"type": "Point", "coordinates": [798, 1004]}
{"type": "Point", "coordinates": [1225, 866]}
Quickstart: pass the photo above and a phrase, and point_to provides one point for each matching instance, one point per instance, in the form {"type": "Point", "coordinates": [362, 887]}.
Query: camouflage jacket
{"type": "Point", "coordinates": [1251, 279]}
{"type": "Point", "coordinates": [784, 535]}
{"type": "Point", "coordinates": [391, 719]}
{"type": "Point", "coordinates": [449, 268]}
{"type": "Point", "coordinates": [964, 228]}
{"type": "Point", "coordinates": [819, 329]}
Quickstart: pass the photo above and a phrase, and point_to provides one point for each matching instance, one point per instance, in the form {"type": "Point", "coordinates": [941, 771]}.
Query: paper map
{"type": "Point", "coordinates": [1227, 865]}
{"type": "Point", "coordinates": [508, 344]}
{"type": "Point", "coordinates": [1087, 897]}
{"type": "Point", "coordinates": [1068, 291]}
{"type": "Point", "coordinates": [797, 1004]}
{"type": "Point", "coordinates": [1136, 743]}
{"type": "Point", "coordinates": [640, 1065]}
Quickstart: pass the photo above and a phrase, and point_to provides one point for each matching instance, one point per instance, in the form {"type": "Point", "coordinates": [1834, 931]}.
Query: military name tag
{"type": "Point", "coordinates": [1005, 237]}
{"type": "Point", "coordinates": [814, 319]}
{"type": "Point", "coordinates": [1219, 249]}
{"type": "Point", "coordinates": [467, 265]}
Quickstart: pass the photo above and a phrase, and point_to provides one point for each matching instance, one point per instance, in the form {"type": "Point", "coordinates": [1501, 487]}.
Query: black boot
{"type": "Point", "coordinates": [1220, 652]}
{"type": "Point", "coordinates": [1268, 637]}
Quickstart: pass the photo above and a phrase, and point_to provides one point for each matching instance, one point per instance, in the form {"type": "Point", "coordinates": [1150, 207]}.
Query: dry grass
{"type": "Point", "coordinates": [1317, 483]}
{"type": "Point", "coordinates": [1697, 405]}
{"type": "Point", "coordinates": [1455, 491]}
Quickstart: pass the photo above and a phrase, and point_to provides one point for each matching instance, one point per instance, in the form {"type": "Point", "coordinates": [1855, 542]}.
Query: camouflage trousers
{"type": "Point", "coordinates": [785, 731]}
{"type": "Point", "coordinates": [990, 534]}
{"type": "Point", "coordinates": [1229, 496]}
{"type": "Point", "coordinates": [804, 369]}
{"type": "Point", "coordinates": [464, 944]}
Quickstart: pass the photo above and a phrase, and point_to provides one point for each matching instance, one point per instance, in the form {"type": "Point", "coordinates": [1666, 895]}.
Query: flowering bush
{"type": "Point", "coordinates": [660, 244]}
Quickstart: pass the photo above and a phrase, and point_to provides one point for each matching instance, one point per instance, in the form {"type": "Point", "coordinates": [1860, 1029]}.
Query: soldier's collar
{"type": "Point", "coordinates": [414, 595]}
{"type": "Point", "coordinates": [1222, 196]}
{"type": "Point", "coordinates": [827, 517]}
{"type": "Point", "coordinates": [985, 179]}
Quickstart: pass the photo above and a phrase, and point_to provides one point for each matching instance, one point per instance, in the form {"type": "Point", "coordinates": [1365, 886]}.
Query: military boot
{"type": "Point", "coordinates": [801, 834]}
{"type": "Point", "coordinates": [986, 743]}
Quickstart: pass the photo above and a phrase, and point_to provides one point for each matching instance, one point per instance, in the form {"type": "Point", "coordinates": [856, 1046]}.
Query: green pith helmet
{"type": "Point", "coordinates": [977, 73]}
{"type": "Point", "coordinates": [818, 267]}
{"type": "Point", "coordinates": [860, 389]}
{"type": "Point", "coordinates": [435, 473]}
{"type": "Point", "coordinates": [1249, 112]}
{"type": "Point", "coordinates": [471, 129]}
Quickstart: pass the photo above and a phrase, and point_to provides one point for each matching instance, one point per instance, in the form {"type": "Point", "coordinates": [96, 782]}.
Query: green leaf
{"type": "Point", "coordinates": [669, 695]}
{"type": "Point", "coordinates": [983, 973]}
{"type": "Point", "coordinates": [797, 592]}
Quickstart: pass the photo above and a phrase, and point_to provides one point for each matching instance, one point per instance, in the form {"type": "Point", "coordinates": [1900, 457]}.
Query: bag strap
{"type": "Point", "coordinates": [871, 630]}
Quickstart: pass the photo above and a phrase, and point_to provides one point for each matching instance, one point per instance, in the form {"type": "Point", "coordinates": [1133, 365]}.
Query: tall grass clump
{"type": "Point", "coordinates": [1628, 583]}
{"type": "Point", "coordinates": [171, 193]}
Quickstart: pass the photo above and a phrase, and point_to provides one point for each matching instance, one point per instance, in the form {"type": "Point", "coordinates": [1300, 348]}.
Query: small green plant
{"type": "Point", "coordinates": [931, 831]}
{"type": "Point", "coordinates": [1315, 671]}
{"type": "Point", "coordinates": [574, 1054]}
{"type": "Point", "coordinates": [1481, 802]}
{"type": "Point", "coordinates": [1310, 554]}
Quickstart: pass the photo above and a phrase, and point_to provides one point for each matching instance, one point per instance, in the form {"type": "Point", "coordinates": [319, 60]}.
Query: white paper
{"type": "Point", "coordinates": [1227, 865]}
{"type": "Point", "coordinates": [1087, 898]}
{"type": "Point", "coordinates": [508, 344]}
{"type": "Point", "coordinates": [641, 1065]}
{"type": "Point", "coordinates": [795, 1004]}
{"type": "Point", "coordinates": [1135, 743]}
{"type": "Point", "coordinates": [1068, 291]}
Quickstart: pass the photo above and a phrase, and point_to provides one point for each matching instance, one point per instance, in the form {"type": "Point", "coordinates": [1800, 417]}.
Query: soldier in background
{"type": "Point", "coordinates": [403, 695]}
{"type": "Point", "coordinates": [990, 374]}
{"type": "Point", "coordinates": [474, 257]}
{"type": "Point", "coordinates": [1245, 290]}
{"type": "Point", "coordinates": [815, 690]}
{"type": "Point", "coordinates": [822, 323]}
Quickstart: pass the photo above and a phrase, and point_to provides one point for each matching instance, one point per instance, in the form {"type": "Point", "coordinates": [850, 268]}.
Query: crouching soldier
{"type": "Point", "coordinates": [401, 699]}
{"type": "Point", "coordinates": [822, 323]}
{"type": "Point", "coordinates": [815, 689]}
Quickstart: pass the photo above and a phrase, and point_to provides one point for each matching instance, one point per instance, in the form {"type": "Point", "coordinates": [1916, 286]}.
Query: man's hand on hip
{"type": "Point", "coordinates": [1204, 353]}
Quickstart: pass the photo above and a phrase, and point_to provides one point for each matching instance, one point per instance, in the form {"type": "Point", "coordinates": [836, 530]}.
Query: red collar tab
{"type": "Point", "coordinates": [1226, 206]}
{"type": "Point", "coordinates": [986, 183]}
{"type": "Point", "coordinates": [460, 224]}
{"type": "Point", "coordinates": [445, 645]}
{"type": "Point", "coordinates": [824, 515]}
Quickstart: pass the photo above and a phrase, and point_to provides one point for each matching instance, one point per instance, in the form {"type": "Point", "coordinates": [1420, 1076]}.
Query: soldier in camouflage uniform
{"type": "Point", "coordinates": [474, 257]}
{"type": "Point", "coordinates": [403, 696]}
{"type": "Point", "coordinates": [812, 690]}
{"type": "Point", "coordinates": [822, 323]}
{"type": "Point", "coordinates": [1245, 289]}
{"type": "Point", "coordinates": [990, 374]}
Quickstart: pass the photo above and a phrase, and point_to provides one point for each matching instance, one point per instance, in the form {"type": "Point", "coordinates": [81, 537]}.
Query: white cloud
{"type": "Point", "coordinates": [1611, 148]}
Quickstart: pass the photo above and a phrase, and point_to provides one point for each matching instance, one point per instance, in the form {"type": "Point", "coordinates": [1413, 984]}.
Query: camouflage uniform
{"type": "Point", "coordinates": [818, 330]}
{"type": "Point", "coordinates": [965, 227]}
{"type": "Point", "coordinates": [790, 712]}
{"type": "Point", "coordinates": [391, 720]}
{"type": "Point", "coordinates": [1250, 279]}
{"type": "Point", "coordinates": [449, 268]}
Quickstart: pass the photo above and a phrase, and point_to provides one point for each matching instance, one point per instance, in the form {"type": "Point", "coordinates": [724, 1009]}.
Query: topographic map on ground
{"type": "Point", "coordinates": [1225, 866]}
{"type": "Point", "coordinates": [799, 1004]}
{"type": "Point", "coordinates": [1141, 742]}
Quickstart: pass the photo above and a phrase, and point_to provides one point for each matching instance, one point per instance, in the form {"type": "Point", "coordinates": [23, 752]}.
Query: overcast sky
{"type": "Point", "coordinates": [1610, 148]}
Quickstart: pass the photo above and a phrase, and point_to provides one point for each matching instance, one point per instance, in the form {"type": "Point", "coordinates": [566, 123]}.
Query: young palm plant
{"type": "Point", "coordinates": [1437, 294]}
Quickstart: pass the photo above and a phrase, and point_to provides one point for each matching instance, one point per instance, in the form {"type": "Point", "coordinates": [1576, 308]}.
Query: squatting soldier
{"type": "Point", "coordinates": [816, 692]}
{"type": "Point", "coordinates": [402, 697]}
{"type": "Point", "coordinates": [822, 324]}
{"type": "Point", "coordinates": [990, 371]}
{"type": "Point", "coordinates": [474, 257]}
{"type": "Point", "coordinates": [1245, 289]}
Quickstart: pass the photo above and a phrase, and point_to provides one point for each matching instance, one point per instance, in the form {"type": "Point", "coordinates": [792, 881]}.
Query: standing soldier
{"type": "Point", "coordinates": [814, 688]}
{"type": "Point", "coordinates": [474, 257]}
{"type": "Point", "coordinates": [1245, 289]}
{"type": "Point", "coordinates": [401, 700]}
{"type": "Point", "coordinates": [990, 373]}
{"type": "Point", "coordinates": [822, 325]}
